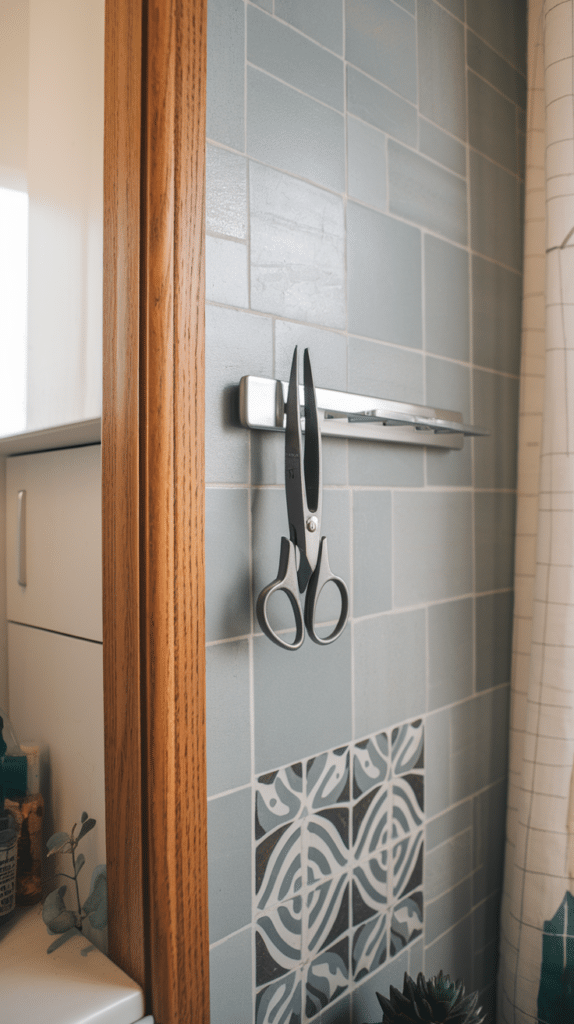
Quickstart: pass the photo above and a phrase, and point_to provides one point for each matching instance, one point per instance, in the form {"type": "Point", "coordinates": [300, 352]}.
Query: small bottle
{"type": "Point", "coordinates": [28, 811]}
{"type": "Point", "coordinates": [8, 854]}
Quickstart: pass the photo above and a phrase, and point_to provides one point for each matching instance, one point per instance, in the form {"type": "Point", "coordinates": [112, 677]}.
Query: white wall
{"type": "Point", "coordinates": [65, 183]}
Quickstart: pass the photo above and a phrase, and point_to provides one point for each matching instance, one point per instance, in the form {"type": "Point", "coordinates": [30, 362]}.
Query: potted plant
{"type": "Point", "coordinates": [434, 1001]}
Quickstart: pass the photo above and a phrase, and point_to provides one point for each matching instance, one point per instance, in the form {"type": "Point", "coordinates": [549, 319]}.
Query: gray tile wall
{"type": "Point", "coordinates": [364, 183]}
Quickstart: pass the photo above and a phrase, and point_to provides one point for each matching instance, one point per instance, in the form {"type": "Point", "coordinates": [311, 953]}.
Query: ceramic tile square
{"type": "Point", "coordinates": [408, 803]}
{"type": "Point", "coordinates": [294, 132]}
{"type": "Point", "coordinates": [380, 107]}
{"type": "Point", "coordinates": [371, 822]}
{"type": "Point", "coordinates": [327, 977]}
{"type": "Point", "coordinates": [407, 747]}
{"type": "Point", "coordinates": [407, 865]}
{"type": "Point", "coordinates": [288, 55]}
{"type": "Point", "coordinates": [278, 941]}
{"type": "Point", "coordinates": [328, 778]}
{"type": "Point", "coordinates": [323, 22]}
{"type": "Point", "coordinates": [380, 39]}
{"type": "Point", "coordinates": [406, 922]}
{"type": "Point", "coordinates": [278, 798]}
{"type": "Point", "coordinates": [370, 764]}
{"type": "Point", "coordinates": [280, 1001]}
{"type": "Point", "coordinates": [370, 888]}
{"type": "Point", "coordinates": [326, 914]}
{"type": "Point", "coordinates": [326, 842]}
{"type": "Point", "coordinates": [441, 82]}
{"type": "Point", "coordinates": [370, 946]}
{"type": "Point", "coordinates": [278, 865]}
{"type": "Point", "coordinates": [225, 72]}
{"type": "Point", "coordinates": [297, 249]}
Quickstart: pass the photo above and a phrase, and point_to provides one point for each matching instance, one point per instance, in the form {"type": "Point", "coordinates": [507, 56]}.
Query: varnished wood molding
{"type": "Point", "coordinates": [153, 442]}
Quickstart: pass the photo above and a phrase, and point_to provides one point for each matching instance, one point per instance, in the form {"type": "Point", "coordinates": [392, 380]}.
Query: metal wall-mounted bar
{"type": "Point", "coordinates": [341, 414]}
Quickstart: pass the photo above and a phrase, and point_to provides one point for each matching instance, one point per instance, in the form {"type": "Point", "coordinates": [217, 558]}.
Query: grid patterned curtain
{"type": "Point", "coordinates": [536, 980]}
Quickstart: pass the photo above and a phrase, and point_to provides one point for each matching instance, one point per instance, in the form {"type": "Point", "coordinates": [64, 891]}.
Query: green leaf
{"type": "Point", "coordinates": [96, 905]}
{"type": "Point", "coordinates": [54, 914]}
{"type": "Point", "coordinates": [86, 827]}
{"type": "Point", "coordinates": [80, 861]}
{"type": "Point", "coordinates": [57, 842]}
{"type": "Point", "coordinates": [84, 816]}
{"type": "Point", "coordinates": [61, 939]}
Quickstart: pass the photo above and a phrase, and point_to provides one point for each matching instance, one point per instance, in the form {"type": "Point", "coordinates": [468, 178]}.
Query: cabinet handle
{"type": "Point", "coordinates": [21, 554]}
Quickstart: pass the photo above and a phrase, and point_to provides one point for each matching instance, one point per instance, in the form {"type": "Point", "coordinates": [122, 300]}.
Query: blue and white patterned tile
{"type": "Point", "coordinates": [370, 888]}
{"type": "Point", "coordinates": [326, 914]}
{"type": "Point", "coordinates": [370, 946]}
{"type": "Point", "coordinates": [326, 843]}
{"type": "Point", "coordinates": [408, 804]}
{"type": "Point", "coordinates": [408, 748]}
{"type": "Point", "coordinates": [371, 765]}
{"type": "Point", "coordinates": [327, 977]}
{"type": "Point", "coordinates": [280, 1003]}
{"type": "Point", "coordinates": [328, 779]}
{"type": "Point", "coordinates": [278, 941]}
{"type": "Point", "coordinates": [371, 823]}
{"type": "Point", "coordinates": [407, 922]}
{"type": "Point", "coordinates": [278, 798]}
{"type": "Point", "coordinates": [278, 866]}
{"type": "Point", "coordinates": [408, 864]}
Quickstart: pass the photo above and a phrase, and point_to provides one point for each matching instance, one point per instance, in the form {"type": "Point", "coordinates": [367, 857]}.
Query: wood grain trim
{"type": "Point", "coordinates": [121, 487]}
{"type": "Point", "coordinates": [153, 532]}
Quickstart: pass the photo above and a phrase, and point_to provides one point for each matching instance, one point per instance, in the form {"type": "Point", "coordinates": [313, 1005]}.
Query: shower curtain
{"type": "Point", "coordinates": [536, 975]}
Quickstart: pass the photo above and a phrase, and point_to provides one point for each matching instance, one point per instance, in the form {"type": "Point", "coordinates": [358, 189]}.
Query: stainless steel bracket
{"type": "Point", "coordinates": [262, 407]}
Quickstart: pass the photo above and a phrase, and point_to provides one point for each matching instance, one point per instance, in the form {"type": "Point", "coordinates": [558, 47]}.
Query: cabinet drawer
{"type": "Point", "coordinates": [54, 544]}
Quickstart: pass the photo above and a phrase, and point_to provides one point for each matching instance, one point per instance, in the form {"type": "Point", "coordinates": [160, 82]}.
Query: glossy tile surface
{"type": "Point", "coordinates": [297, 249]}
{"type": "Point", "coordinates": [381, 107]}
{"type": "Point", "coordinates": [421, 191]}
{"type": "Point", "coordinates": [276, 48]}
{"type": "Point", "coordinates": [380, 39]}
{"type": "Point", "coordinates": [441, 82]}
{"type": "Point", "coordinates": [291, 131]}
{"type": "Point", "coordinates": [375, 235]}
{"type": "Point", "coordinates": [385, 252]}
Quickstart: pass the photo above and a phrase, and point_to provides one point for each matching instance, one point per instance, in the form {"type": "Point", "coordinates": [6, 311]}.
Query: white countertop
{"type": "Point", "coordinates": [63, 987]}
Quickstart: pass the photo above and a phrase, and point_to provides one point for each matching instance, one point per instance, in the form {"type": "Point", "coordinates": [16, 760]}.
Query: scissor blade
{"type": "Point", "coordinates": [294, 484]}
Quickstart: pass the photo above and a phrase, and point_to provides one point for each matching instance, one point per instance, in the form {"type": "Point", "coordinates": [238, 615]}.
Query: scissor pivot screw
{"type": "Point", "coordinates": [312, 524]}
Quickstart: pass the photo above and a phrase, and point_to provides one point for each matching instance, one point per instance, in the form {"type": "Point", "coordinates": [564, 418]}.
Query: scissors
{"type": "Point", "coordinates": [303, 562]}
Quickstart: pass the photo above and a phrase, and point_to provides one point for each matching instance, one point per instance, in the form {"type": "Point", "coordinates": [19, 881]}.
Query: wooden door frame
{"type": "Point", "coordinates": [153, 501]}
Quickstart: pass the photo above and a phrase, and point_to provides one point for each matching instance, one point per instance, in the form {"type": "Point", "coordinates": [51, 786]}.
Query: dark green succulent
{"type": "Point", "coordinates": [436, 1001]}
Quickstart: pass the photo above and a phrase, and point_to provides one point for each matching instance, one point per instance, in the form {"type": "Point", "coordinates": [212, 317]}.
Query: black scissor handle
{"type": "Point", "coordinates": [287, 582]}
{"type": "Point", "coordinates": [319, 579]}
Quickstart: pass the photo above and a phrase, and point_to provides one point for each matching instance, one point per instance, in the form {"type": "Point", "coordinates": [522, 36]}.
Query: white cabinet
{"type": "Point", "coordinates": [53, 540]}
{"type": "Point", "coordinates": [51, 212]}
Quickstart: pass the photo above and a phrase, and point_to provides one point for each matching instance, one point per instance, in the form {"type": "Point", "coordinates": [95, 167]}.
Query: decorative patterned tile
{"type": "Point", "coordinates": [370, 888]}
{"type": "Point", "coordinates": [370, 764]}
{"type": "Point", "coordinates": [328, 779]}
{"type": "Point", "coordinates": [407, 921]}
{"type": "Point", "coordinates": [327, 977]}
{"type": "Point", "coordinates": [278, 868]}
{"type": "Point", "coordinates": [326, 914]}
{"type": "Point", "coordinates": [371, 823]}
{"type": "Point", "coordinates": [280, 1003]}
{"type": "Point", "coordinates": [407, 865]}
{"type": "Point", "coordinates": [278, 798]}
{"type": "Point", "coordinates": [327, 842]}
{"type": "Point", "coordinates": [278, 941]}
{"type": "Point", "coordinates": [338, 870]}
{"type": "Point", "coordinates": [407, 747]}
{"type": "Point", "coordinates": [370, 946]}
{"type": "Point", "coordinates": [408, 804]}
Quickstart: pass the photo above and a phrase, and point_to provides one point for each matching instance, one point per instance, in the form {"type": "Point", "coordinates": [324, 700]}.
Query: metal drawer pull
{"type": "Point", "coordinates": [21, 554]}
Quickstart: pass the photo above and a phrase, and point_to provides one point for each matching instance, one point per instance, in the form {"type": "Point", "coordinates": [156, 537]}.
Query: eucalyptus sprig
{"type": "Point", "coordinates": [58, 919]}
